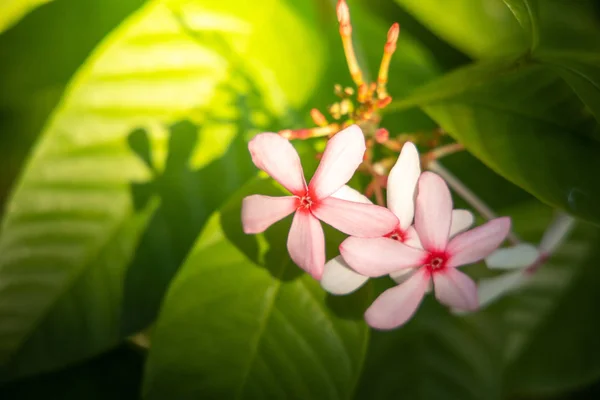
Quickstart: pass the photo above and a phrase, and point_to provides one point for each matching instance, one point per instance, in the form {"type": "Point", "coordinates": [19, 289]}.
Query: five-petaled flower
{"type": "Point", "coordinates": [315, 201]}
{"type": "Point", "coordinates": [437, 260]}
{"type": "Point", "coordinates": [338, 277]}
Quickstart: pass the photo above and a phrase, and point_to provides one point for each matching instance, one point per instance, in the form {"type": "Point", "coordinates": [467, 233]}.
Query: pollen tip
{"type": "Point", "coordinates": [382, 135]}
{"type": "Point", "coordinates": [286, 134]}
{"type": "Point", "coordinates": [343, 13]}
{"type": "Point", "coordinates": [393, 33]}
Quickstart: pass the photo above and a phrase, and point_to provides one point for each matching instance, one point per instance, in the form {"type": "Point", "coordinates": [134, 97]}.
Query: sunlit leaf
{"type": "Point", "coordinates": [242, 321]}
{"type": "Point", "coordinates": [65, 223]}
{"type": "Point", "coordinates": [12, 11]}
{"type": "Point", "coordinates": [477, 27]}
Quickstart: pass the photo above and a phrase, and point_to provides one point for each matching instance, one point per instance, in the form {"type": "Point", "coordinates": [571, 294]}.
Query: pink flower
{"type": "Point", "coordinates": [338, 278]}
{"type": "Point", "coordinates": [437, 261]}
{"type": "Point", "coordinates": [315, 201]}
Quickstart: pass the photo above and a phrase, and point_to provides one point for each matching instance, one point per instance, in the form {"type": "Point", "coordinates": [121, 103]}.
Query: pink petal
{"type": "Point", "coordinates": [474, 245]}
{"type": "Point", "coordinates": [433, 214]}
{"type": "Point", "coordinates": [455, 289]}
{"type": "Point", "coordinates": [338, 278]}
{"type": "Point", "coordinates": [461, 221]}
{"type": "Point", "coordinates": [259, 212]}
{"type": "Point", "coordinates": [402, 185]}
{"type": "Point", "coordinates": [342, 156]}
{"type": "Point", "coordinates": [278, 158]}
{"type": "Point", "coordinates": [306, 243]}
{"type": "Point", "coordinates": [356, 219]}
{"type": "Point", "coordinates": [347, 193]}
{"type": "Point", "coordinates": [411, 238]}
{"type": "Point", "coordinates": [379, 256]}
{"type": "Point", "coordinates": [396, 305]}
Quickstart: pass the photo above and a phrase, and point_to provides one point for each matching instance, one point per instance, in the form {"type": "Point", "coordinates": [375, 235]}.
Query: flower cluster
{"type": "Point", "coordinates": [419, 240]}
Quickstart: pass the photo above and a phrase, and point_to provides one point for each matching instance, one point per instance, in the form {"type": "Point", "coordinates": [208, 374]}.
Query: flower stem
{"type": "Point", "coordinates": [467, 195]}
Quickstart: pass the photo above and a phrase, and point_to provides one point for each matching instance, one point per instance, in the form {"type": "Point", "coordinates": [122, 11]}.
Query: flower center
{"type": "Point", "coordinates": [435, 261]}
{"type": "Point", "coordinates": [396, 234]}
{"type": "Point", "coordinates": [305, 202]}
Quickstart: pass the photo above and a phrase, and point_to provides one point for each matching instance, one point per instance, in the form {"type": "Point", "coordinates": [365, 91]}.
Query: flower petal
{"type": "Point", "coordinates": [356, 219]}
{"type": "Point", "coordinates": [278, 158]}
{"type": "Point", "coordinates": [557, 232]}
{"type": "Point", "coordinates": [338, 278]}
{"type": "Point", "coordinates": [491, 289]}
{"type": "Point", "coordinates": [402, 185]}
{"type": "Point", "coordinates": [259, 212]}
{"type": "Point", "coordinates": [411, 238]}
{"type": "Point", "coordinates": [403, 275]}
{"type": "Point", "coordinates": [347, 193]}
{"type": "Point", "coordinates": [342, 156]}
{"type": "Point", "coordinates": [433, 214]}
{"type": "Point", "coordinates": [306, 243]}
{"type": "Point", "coordinates": [455, 289]}
{"type": "Point", "coordinates": [474, 245]}
{"type": "Point", "coordinates": [519, 256]}
{"type": "Point", "coordinates": [379, 256]}
{"type": "Point", "coordinates": [396, 305]}
{"type": "Point", "coordinates": [461, 221]}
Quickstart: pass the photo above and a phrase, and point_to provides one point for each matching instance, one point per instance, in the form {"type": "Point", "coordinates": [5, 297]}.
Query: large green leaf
{"type": "Point", "coordinates": [552, 321]}
{"type": "Point", "coordinates": [66, 220]}
{"type": "Point", "coordinates": [525, 123]}
{"type": "Point", "coordinates": [477, 27]}
{"type": "Point", "coordinates": [527, 13]}
{"type": "Point", "coordinates": [12, 11]}
{"type": "Point", "coordinates": [59, 37]}
{"type": "Point", "coordinates": [435, 356]}
{"type": "Point", "coordinates": [581, 70]}
{"type": "Point", "coordinates": [115, 375]}
{"type": "Point", "coordinates": [242, 321]}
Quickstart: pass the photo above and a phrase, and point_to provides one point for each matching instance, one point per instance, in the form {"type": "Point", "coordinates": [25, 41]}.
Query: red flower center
{"type": "Point", "coordinates": [396, 234]}
{"type": "Point", "coordinates": [435, 262]}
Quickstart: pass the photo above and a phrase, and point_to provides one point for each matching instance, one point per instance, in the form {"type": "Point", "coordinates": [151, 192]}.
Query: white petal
{"type": "Point", "coordinates": [402, 185]}
{"type": "Point", "coordinates": [347, 193]}
{"type": "Point", "coordinates": [411, 238]}
{"type": "Point", "coordinates": [491, 289]}
{"type": "Point", "coordinates": [338, 278]}
{"type": "Point", "coordinates": [556, 233]}
{"type": "Point", "coordinates": [519, 256]}
{"type": "Point", "coordinates": [461, 221]}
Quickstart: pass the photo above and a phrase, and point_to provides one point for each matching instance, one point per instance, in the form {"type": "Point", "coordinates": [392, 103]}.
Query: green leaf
{"type": "Point", "coordinates": [242, 321]}
{"type": "Point", "coordinates": [436, 355]}
{"type": "Point", "coordinates": [68, 219]}
{"type": "Point", "coordinates": [526, 124]}
{"type": "Point", "coordinates": [477, 27]}
{"type": "Point", "coordinates": [11, 11]}
{"type": "Point", "coordinates": [115, 375]}
{"type": "Point", "coordinates": [552, 322]}
{"type": "Point", "coordinates": [581, 70]}
{"type": "Point", "coordinates": [526, 12]}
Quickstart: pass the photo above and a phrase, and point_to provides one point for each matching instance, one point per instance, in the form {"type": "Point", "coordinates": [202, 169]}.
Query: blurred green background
{"type": "Point", "coordinates": [123, 130]}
